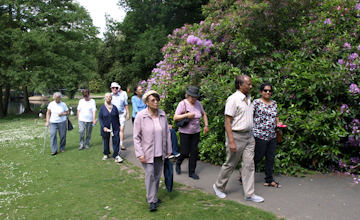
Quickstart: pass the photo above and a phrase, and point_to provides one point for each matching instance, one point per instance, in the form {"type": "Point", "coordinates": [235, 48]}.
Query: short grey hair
{"type": "Point", "coordinates": [108, 93]}
{"type": "Point", "coordinates": [57, 94]}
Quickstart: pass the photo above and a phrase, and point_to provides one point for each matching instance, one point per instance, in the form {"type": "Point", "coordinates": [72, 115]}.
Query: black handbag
{"type": "Point", "coordinates": [183, 122]}
{"type": "Point", "coordinates": [69, 126]}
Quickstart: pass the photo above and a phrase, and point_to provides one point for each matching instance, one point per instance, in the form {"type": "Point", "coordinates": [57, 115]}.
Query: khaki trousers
{"type": "Point", "coordinates": [245, 145]}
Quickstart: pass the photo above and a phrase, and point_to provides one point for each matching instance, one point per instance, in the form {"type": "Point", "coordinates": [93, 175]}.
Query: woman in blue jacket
{"type": "Point", "coordinates": [137, 102]}
{"type": "Point", "coordinates": [110, 126]}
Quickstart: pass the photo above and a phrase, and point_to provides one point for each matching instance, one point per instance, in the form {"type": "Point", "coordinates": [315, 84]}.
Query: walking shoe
{"type": "Point", "coordinates": [87, 147]}
{"type": "Point", "coordinates": [177, 155]}
{"type": "Point", "coordinates": [194, 176]}
{"type": "Point", "coordinates": [81, 147]}
{"type": "Point", "coordinates": [118, 159]}
{"type": "Point", "coordinates": [105, 157]}
{"type": "Point", "coordinates": [171, 156]}
{"type": "Point", "coordinates": [218, 193]}
{"type": "Point", "coordinates": [178, 168]}
{"type": "Point", "coordinates": [159, 201]}
{"type": "Point", "coordinates": [123, 147]}
{"type": "Point", "coordinates": [254, 198]}
{"type": "Point", "coordinates": [152, 207]}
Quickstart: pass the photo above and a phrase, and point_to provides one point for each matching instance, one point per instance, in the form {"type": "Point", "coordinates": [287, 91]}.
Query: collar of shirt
{"type": "Point", "coordinates": [117, 94]}
{"type": "Point", "coordinates": [243, 97]}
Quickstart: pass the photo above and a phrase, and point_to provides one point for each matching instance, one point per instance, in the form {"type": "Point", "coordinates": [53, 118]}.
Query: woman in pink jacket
{"type": "Point", "coordinates": [152, 143]}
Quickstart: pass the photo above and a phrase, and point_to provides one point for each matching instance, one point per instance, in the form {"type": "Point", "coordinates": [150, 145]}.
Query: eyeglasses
{"type": "Point", "coordinates": [114, 88]}
{"type": "Point", "coordinates": [268, 90]}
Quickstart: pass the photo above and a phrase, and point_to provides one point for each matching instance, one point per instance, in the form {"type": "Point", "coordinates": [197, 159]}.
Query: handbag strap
{"type": "Point", "coordinates": [185, 106]}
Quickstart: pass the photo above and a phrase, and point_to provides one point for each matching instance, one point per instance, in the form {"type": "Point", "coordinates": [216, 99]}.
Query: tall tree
{"type": "Point", "coordinates": [47, 44]}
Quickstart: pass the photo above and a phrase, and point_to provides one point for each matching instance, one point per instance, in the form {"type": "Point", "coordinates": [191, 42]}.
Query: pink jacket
{"type": "Point", "coordinates": [144, 135]}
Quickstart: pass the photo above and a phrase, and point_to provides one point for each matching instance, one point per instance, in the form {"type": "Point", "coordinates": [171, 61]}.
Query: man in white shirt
{"type": "Point", "coordinates": [120, 101]}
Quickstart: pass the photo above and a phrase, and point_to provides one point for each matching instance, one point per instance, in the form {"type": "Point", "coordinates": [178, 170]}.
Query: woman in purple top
{"type": "Point", "coordinates": [189, 134]}
{"type": "Point", "coordinates": [152, 143]}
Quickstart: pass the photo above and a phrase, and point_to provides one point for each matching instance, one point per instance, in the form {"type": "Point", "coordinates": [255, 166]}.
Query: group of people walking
{"type": "Point", "coordinates": [250, 129]}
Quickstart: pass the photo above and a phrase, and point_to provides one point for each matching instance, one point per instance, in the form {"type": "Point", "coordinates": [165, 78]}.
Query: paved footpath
{"type": "Point", "coordinates": [322, 196]}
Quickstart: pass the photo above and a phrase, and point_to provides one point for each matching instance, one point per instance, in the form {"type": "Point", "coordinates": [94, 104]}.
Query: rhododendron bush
{"type": "Point", "coordinates": [307, 49]}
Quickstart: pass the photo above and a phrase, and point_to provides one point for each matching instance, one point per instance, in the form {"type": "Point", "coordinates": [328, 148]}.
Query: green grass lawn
{"type": "Point", "coordinates": [79, 185]}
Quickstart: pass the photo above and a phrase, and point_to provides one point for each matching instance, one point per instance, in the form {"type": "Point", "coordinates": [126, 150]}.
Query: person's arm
{"type": "Point", "coordinates": [127, 112]}
{"type": "Point", "coordinates": [228, 129]}
{"type": "Point", "coordinates": [94, 117]}
{"type": "Point", "coordinates": [64, 113]}
{"type": "Point", "coordinates": [137, 136]}
{"type": "Point", "coordinates": [78, 113]}
{"type": "Point", "coordinates": [178, 116]}
{"type": "Point", "coordinates": [134, 105]}
{"type": "Point", "coordinates": [48, 113]}
{"type": "Point", "coordinates": [206, 127]}
{"type": "Point", "coordinates": [101, 120]}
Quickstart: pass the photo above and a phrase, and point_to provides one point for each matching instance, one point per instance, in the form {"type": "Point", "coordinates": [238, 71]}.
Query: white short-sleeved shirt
{"type": "Point", "coordinates": [86, 109]}
{"type": "Point", "coordinates": [240, 108]}
{"type": "Point", "coordinates": [55, 109]}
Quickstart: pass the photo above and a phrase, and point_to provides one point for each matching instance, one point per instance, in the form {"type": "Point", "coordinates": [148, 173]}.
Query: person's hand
{"type": "Point", "coordinates": [168, 155]}
{"type": "Point", "coordinates": [190, 115]}
{"type": "Point", "coordinates": [127, 117]}
{"type": "Point", "coordinates": [142, 159]}
{"type": "Point", "coordinates": [280, 123]}
{"type": "Point", "coordinates": [232, 146]}
{"type": "Point", "coordinates": [94, 121]}
{"type": "Point", "coordinates": [105, 129]}
{"type": "Point", "coordinates": [206, 129]}
{"type": "Point", "coordinates": [47, 124]}
{"type": "Point", "coordinates": [60, 114]}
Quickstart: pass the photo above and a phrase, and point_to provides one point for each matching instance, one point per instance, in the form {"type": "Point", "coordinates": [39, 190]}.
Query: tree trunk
{"type": "Point", "coordinates": [6, 99]}
{"type": "Point", "coordinates": [1, 102]}
{"type": "Point", "coordinates": [26, 100]}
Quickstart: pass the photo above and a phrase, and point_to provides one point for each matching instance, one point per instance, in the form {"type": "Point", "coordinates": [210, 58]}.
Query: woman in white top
{"type": "Point", "coordinates": [56, 114]}
{"type": "Point", "coordinates": [86, 112]}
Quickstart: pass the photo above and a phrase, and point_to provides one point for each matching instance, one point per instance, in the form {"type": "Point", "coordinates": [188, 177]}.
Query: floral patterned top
{"type": "Point", "coordinates": [264, 119]}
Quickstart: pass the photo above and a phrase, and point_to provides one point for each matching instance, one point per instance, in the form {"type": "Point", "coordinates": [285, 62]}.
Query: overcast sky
{"type": "Point", "coordinates": [97, 10]}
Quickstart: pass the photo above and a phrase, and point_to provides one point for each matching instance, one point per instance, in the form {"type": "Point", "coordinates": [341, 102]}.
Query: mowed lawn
{"type": "Point", "coordinates": [79, 185]}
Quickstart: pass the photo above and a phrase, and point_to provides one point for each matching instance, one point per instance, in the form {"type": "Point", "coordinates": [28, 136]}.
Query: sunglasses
{"type": "Point", "coordinates": [268, 90]}
{"type": "Point", "coordinates": [114, 88]}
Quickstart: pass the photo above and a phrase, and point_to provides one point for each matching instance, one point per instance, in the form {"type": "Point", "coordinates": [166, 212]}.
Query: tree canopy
{"type": "Point", "coordinates": [45, 44]}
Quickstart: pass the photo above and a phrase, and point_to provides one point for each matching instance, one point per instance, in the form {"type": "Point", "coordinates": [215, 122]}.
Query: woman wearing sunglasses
{"type": "Point", "coordinates": [265, 121]}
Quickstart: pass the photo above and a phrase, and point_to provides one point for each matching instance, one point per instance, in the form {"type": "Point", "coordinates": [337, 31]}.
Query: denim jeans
{"type": "Point", "coordinates": [54, 127]}
{"type": "Point", "coordinates": [174, 142]}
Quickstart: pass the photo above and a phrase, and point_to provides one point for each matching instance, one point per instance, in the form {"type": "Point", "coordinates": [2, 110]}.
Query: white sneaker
{"type": "Point", "coordinates": [171, 156]}
{"type": "Point", "coordinates": [118, 159]}
{"type": "Point", "coordinates": [105, 157]}
{"type": "Point", "coordinates": [218, 193]}
{"type": "Point", "coordinates": [255, 198]}
{"type": "Point", "coordinates": [177, 155]}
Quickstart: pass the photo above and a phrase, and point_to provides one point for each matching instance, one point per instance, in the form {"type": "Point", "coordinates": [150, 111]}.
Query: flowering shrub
{"type": "Point", "coordinates": [306, 49]}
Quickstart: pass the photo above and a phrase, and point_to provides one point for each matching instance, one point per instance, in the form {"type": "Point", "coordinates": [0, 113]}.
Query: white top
{"type": "Point", "coordinates": [125, 94]}
{"type": "Point", "coordinates": [240, 108]}
{"type": "Point", "coordinates": [86, 109]}
{"type": "Point", "coordinates": [55, 109]}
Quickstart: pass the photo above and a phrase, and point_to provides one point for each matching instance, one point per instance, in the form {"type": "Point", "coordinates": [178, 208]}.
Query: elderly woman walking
{"type": "Point", "coordinates": [189, 135]}
{"type": "Point", "coordinates": [152, 143]}
{"type": "Point", "coordinates": [56, 115]}
{"type": "Point", "coordinates": [110, 127]}
{"type": "Point", "coordinates": [86, 112]}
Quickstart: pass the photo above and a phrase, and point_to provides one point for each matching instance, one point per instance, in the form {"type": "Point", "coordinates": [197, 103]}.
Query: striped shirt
{"type": "Point", "coordinates": [240, 108]}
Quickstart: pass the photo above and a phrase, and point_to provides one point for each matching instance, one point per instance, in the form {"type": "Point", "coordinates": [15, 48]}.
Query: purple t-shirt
{"type": "Point", "coordinates": [194, 125]}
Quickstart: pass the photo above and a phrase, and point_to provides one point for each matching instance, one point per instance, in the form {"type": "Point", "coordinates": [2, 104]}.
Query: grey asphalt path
{"type": "Point", "coordinates": [322, 196]}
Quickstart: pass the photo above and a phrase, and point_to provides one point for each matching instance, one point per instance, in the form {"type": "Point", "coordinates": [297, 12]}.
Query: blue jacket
{"type": "Point", "coordinates": [137, 105]}
{"type": "Point", "coordinates": [105, 118]}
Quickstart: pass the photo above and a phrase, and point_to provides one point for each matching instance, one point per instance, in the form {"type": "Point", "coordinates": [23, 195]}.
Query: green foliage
{"type": "Point", "coordinates": [307, 49]}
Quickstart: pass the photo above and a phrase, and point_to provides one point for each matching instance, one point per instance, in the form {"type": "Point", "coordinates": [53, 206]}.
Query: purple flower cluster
{"type": "Point", "coordinates": [354, 89]}
{"type": "Point", "coordinates": [354, 160]}
{"type": "Point", "coordinates": [353, 56]}
{"type": "Point", "coordinates": [342, 164]}
{"type": "Point", "coordinates": [341, 62]}
{"type": "Point", "coordinates": [357, 7]}
{"type": "Point", "coordinates": [343, 107]}
{"type": "Point", "coordinates": [347, 46]}
{"type": "Point", "coordinates": [327, 21]}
